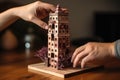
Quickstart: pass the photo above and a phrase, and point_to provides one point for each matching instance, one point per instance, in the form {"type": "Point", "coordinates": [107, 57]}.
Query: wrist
{"type": "Point", "coordinates": [14, 13]}
{"type": "Point", "coordinates": [112, 49]}
{"type": "Point", "coordinates": [117, 48]}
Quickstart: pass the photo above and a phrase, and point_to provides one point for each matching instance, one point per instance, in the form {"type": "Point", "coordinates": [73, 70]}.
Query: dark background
{"type": "Point", "coordinates": [107, 25]}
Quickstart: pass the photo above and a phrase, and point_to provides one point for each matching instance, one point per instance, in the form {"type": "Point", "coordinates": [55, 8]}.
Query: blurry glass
{"type": "Point", "coordinates": [29, 40]}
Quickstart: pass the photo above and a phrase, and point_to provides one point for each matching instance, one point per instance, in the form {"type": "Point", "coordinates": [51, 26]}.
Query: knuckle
{"type": "Point", "coordinates": [37, 2]}
{"type": "Point", "coordinates": [90, 46]}
{"type": "Point", "coordinates": [89, 43]}
{"type": "Point", "coordinates": [77, 50]}
{"type": "Point", "coordinates": [94, 54]}
{"type": "Point", "coordinates": [31, 18]}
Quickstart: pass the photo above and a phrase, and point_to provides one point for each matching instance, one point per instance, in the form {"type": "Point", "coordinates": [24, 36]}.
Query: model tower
{"type": "Point", "coordinates": [58, 37]}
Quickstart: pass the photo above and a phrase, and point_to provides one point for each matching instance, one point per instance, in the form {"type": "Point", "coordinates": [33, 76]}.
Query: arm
{"type": "Point", "coordinates": [6, 18]}
{"type": "Point", "coordinates": [33, 12]}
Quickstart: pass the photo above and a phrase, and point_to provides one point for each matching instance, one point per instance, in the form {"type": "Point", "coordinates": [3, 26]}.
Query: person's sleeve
{"type": "Point", "coordinates": [117, 48]}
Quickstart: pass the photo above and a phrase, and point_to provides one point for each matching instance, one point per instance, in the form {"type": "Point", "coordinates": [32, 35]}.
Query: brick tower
{"type": "Point", "coordinates": [58, 37]}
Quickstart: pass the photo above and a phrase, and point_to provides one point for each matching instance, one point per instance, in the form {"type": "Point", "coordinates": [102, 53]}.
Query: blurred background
{"type": "Point", "coordinates": [89, 20]}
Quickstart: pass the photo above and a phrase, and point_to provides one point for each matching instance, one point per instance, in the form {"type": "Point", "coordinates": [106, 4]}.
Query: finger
{"type": "Point", "coordinates": [79, 57]}
{"type": "Point", "coordinates": [40, 23]}
{"type": "Point", "coordinates": [64, 9]}
{"type": "Point", "coordinates": [77, 51]}
{"type": "Point", "coordinates": [86, 60]}
{"type": "Point", "coordinates": [49, 7]}
{"type": "Point", "coordinates": [52, 7]}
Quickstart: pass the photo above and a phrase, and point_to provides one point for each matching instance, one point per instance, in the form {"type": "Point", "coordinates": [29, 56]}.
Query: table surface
{"type": "Point", "coordinates": [13, 66]}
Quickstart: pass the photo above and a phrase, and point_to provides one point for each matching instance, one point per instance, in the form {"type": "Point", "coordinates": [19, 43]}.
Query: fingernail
{"type": "Point", "coordinates": [71, 60]}
{"type": "Point", "coordinates": [46, 27]}
{"type": "Point", "coordinates": [74, 65]}
{"type": "Point", "coordinates": [82, 67]}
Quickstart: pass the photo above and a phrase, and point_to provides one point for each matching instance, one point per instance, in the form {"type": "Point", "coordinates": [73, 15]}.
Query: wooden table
{"type": "Point", "coordinates": [13, 66]}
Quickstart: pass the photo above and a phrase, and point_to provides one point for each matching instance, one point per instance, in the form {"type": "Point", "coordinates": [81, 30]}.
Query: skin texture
{"type": "Point", "coordinates": [33, 12]}
{"type": "Point", "coordinates": [92, 52]}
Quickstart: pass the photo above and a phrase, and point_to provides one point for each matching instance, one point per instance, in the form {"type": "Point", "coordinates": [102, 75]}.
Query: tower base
{"type": "Point", "coordinates": [65, 73]}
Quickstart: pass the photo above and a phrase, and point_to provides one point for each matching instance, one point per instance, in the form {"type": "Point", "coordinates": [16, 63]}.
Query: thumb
{"type": "Point", "coordinates": [40, 23]}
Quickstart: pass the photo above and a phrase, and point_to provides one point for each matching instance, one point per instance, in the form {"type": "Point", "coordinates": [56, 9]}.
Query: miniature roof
{"type": "Point", "coordinates": [58, 9]}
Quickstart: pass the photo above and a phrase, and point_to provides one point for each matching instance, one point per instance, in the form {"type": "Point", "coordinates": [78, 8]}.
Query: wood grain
{"type": "Point", "coordinates": [13, 66]}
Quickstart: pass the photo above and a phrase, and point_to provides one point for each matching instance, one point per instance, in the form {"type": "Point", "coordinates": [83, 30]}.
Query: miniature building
{"type": "Point", "coordinates": [58, 37]}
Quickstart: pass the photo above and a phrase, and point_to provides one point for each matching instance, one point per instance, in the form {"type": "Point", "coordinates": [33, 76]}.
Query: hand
{"type": "Point", "coordinates": [34, 12]}
{"type": "Point", "coordinates": [91, 52]}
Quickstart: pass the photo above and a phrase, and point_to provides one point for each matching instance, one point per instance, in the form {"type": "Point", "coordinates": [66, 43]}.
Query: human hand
{"type": "Point", "coordinates": [92, 51]}
{"type": "Point", "coordinates": [34, 12]}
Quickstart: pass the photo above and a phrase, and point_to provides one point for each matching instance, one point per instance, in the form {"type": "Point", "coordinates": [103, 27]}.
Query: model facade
{"type": "Point", "coordinates": [58, 38]}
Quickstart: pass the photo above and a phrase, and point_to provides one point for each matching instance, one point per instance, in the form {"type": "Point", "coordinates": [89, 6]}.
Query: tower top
{"type": "Point", "coordinates": [58, 9]}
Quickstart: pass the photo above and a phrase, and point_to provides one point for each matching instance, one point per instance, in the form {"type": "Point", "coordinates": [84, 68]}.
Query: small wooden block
{"type": "Point", "coordinates": [65, 73]}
